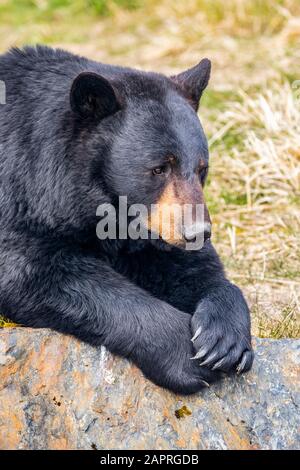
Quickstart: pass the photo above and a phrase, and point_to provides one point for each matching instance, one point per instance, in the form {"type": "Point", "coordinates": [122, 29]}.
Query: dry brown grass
{"type": "Point", "coordinates": [250, 112]}
{"type": "Point", "coordinates": [256, 157]}
{"type": "Point", "coordinates": [258, 201]}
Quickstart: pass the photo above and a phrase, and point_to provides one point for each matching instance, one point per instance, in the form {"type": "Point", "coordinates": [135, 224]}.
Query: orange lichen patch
{"type": "Point", "coordinates": [166, 413]}
{"type": "Point", "coordinates": [179, 426]}
{"type": "Point", "coordinates": [47, 356]}
{"type": "Point", "coordinates": [11, 433]}
{"type": "Point", "coordinates": [61, 443]}
{"type": "Point", "coordinates": [83, 391]}
{"type": "Point", "coordinates": [196, 438]}
{"type": "Point", "coordinates": [234, 433]}
{"type": "Point", "coordinates": [128, 409]}
{"type": "Point", "coordinates": [9, 373]}
{"type": "Point", "coordinates": [48, 361]}
{"type": "Point", "coordinates": [236, 438]}
{"type": "Point", "coordinates": [181, 443]}
{"type": "Point", "coordinates": [292, 372]}
{"type": "Point", "coordinates": [67, 430]}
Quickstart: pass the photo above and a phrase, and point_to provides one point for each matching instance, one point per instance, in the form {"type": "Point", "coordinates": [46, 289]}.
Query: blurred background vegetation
{"type": "Point", "coordinates": [251, 113]}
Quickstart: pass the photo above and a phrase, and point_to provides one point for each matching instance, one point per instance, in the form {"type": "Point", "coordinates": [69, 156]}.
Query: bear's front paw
{"type": "Point", "coordinates": [168, 364]}
{"type": "Point", "coordinates": [221, 335]}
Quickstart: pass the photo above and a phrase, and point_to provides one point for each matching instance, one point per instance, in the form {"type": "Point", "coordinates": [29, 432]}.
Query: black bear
{"type": "Point", "coordinates": [75, 134]}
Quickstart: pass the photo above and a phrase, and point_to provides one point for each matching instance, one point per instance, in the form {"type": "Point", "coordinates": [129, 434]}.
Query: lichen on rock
{"type": "Point", "coordinates": [58, 393]}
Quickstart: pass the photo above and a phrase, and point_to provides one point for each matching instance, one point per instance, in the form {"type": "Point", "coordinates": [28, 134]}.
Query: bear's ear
{"type": "Point", "coordinates": [92, 96]}
{"type": "Point", "coordinates": [193, 81]}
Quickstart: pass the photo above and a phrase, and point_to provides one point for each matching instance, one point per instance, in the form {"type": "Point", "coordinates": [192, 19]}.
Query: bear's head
{"type": "Point", "coordinates": [141, 138]}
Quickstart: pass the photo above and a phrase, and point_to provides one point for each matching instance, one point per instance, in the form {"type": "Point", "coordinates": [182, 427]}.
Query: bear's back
{"type": "Point", "coordinates": [38, 78]}
{"type": "Point", "coordinates": [37, 82]}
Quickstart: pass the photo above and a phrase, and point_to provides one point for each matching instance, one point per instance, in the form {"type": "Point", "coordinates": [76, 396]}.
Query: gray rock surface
{"type": "Point", "coordinates": [58, 393]}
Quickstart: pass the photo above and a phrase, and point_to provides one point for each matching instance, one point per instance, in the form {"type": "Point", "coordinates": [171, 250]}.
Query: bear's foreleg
{"type": "Point", "coordinates": [80, 295]}
{"type": "Point", "coordinates": [195, 282]}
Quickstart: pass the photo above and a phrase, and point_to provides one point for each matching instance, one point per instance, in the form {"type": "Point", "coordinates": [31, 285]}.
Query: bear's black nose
{"type": "Point", "coordinates": [207, 231]}
{"type": "Point", "coordinates": [197, 230]}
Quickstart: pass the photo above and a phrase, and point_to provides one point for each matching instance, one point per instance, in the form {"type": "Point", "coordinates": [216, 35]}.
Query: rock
{"type": "Point", "coordinates": [58, 393]}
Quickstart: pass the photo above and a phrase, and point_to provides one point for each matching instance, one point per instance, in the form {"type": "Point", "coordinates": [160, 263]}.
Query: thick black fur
{"type": "Point", "coordinates": [62, 153]}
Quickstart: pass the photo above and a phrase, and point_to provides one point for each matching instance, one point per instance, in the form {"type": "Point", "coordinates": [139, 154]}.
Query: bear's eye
{"type": "Point", "coordinates": [203, 174]}
{"type": "Point", "coordinates": [160, 170]}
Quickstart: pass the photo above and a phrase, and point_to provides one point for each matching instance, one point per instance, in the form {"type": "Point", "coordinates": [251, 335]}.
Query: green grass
{"type": "Point", "coordinates": [6, 323]}
{"type": "Point", "coordinates": [20, 11]}
{"type": "Point", "coordinates": [215, 100]}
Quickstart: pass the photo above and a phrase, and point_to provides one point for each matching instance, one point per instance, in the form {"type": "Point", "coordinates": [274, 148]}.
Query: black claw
{"type": "Point", "coordinates": [245, 362]}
